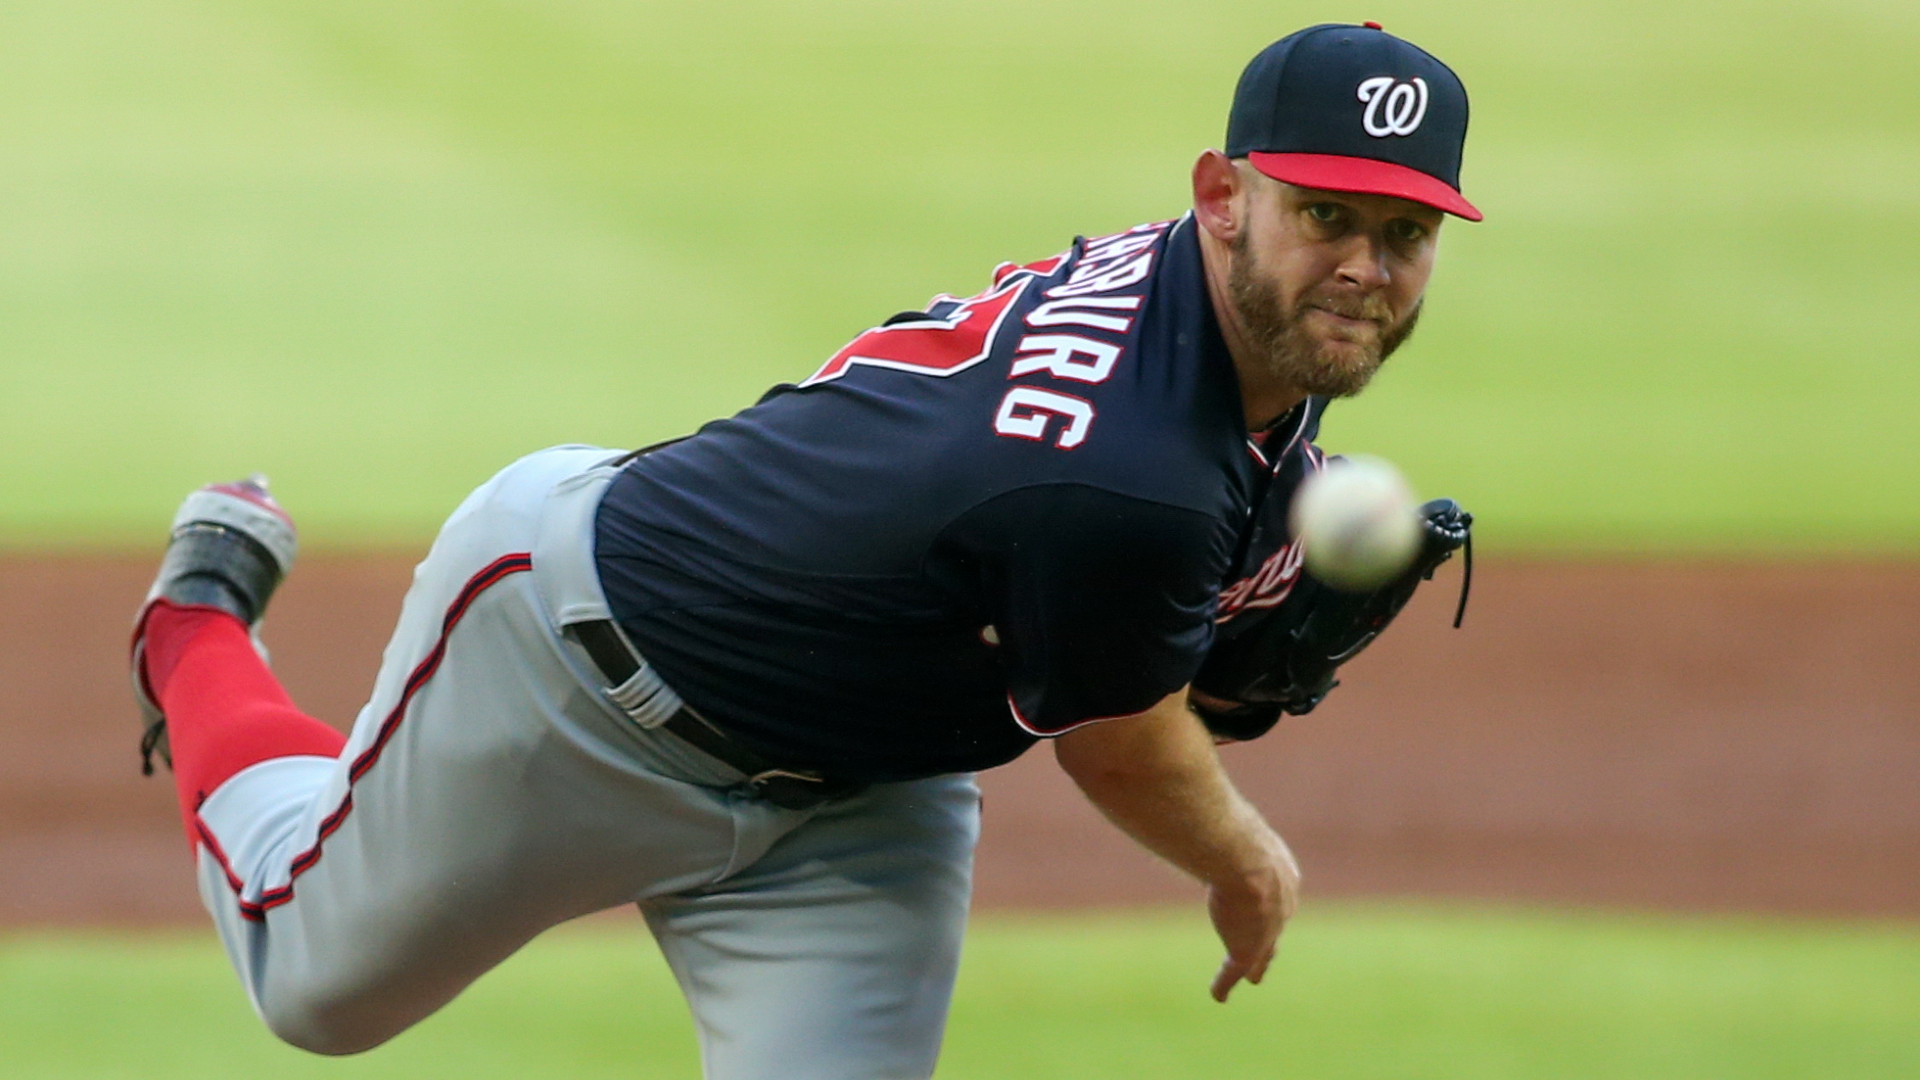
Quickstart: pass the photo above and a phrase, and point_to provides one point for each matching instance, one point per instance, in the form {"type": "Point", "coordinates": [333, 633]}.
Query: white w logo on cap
{"type": "Point", "coordinates": [1396, 111]}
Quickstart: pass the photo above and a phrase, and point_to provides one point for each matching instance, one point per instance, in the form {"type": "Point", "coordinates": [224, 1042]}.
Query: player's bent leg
{"type": "Point", "coordinates": [226, 711]}
{"type": "Point", "coordinates": [833, 956]}
{"type": "Point", "coordinates": [486, 794]}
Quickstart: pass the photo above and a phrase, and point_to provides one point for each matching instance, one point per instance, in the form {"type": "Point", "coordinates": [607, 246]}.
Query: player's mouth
{"type": "Point", "coordinates": [1350, 323]}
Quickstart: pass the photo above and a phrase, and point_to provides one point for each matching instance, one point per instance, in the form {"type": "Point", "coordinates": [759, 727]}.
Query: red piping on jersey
{"type": "Point", "coordinates": [1014, 707]}
{"type": "Point", "coordinates": [1299, 430]}
{"type": "Point", "coordinates": [256, 910]}
{"type": "Point", "coordinates": [219, 854]}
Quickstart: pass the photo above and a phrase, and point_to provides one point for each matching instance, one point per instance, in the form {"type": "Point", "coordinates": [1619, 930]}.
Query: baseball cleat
{"type": "Point", "coordinates": [231, 546]}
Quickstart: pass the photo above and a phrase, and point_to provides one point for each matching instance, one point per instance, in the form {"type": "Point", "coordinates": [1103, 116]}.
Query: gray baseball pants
{"type": "Point", "coordinates": [494, 787]}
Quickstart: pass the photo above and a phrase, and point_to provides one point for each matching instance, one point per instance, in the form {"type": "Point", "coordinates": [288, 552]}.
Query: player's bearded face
{"type": "Point", "coordinates": [1326, 363]}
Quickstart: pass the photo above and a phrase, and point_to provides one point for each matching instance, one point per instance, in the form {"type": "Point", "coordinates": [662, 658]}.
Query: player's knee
{"type": "Point", "coordinates": [317, 1025]}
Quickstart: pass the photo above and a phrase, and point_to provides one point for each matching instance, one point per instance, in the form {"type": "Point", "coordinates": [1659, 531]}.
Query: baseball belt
{"type": "Point", "coordinates": [791, 789]}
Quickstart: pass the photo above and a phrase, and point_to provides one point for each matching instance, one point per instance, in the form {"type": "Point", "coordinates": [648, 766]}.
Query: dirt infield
{"type": "Point", "coordinates": [1646, 735]}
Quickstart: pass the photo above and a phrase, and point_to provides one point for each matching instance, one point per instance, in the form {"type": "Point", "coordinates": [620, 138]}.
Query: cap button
{"type": "Point", "coordinates": [1373, 25]}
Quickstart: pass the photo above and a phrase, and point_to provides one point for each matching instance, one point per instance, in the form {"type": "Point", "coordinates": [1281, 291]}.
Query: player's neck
{"type": "Point", "coordinates": [1264, 397]}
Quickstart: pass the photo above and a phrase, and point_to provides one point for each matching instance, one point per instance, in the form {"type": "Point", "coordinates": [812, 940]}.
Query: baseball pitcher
{"type": "Point", "coordinates": [743, 679]}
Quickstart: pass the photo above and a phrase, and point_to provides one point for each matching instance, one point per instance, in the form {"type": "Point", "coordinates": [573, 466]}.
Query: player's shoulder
{"type": "Point", "coordinates": [1115, 369]}
{"type": "Point", "coordinates": [1109, 263]}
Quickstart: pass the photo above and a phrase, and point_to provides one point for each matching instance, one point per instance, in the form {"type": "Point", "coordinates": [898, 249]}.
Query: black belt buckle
{"type": "Point", "coordinates": [797, 791]}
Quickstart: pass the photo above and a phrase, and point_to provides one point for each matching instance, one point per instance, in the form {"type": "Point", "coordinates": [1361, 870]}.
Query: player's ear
{"type": "Point", "coordinates": [1216, 183]}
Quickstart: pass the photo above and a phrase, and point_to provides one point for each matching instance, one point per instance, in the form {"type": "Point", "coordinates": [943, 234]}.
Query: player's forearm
{"type": "Point", "coordinates": [1158, 778]}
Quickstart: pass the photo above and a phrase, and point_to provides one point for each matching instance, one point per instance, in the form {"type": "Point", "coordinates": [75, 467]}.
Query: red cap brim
{"type": "Point", "coordinates": [1365, 176]}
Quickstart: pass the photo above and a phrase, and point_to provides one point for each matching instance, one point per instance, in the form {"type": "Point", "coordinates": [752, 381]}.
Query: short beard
{"type": "Point", "coordinates": [1288, 351]}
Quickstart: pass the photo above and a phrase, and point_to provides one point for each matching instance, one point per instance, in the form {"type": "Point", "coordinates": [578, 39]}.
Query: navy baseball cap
{"type": "Point", "coordinates": [1353, 108]}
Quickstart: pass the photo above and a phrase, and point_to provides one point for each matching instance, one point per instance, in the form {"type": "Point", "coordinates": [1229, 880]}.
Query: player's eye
{"type": "Point", "coordinates": [1326, 213]}
{"type": "Point", "coordinates": [1406, 230]}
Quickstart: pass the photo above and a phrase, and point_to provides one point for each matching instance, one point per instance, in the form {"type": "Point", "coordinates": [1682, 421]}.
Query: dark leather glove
{"type": "Point", "coordinates": [1285, 661]}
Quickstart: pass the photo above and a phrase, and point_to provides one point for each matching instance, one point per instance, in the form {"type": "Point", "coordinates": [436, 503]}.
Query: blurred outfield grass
{"type": "Point", "coordinates": [1361, 992]}
{"type": "Point", "coordinates": [380, 247]}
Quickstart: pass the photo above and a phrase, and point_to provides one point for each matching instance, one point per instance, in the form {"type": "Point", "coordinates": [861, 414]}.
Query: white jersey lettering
{"type": "Point", "coordinates": [1084, 312]}
{"type": "Point", "coordinates": [1026, 412]}
{"type": "Point", "coordinates": [1065, 356]}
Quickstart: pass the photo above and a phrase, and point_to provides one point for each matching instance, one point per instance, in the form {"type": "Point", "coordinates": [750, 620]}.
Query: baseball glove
{"type": "Point", "coordinates": [1285, 661]}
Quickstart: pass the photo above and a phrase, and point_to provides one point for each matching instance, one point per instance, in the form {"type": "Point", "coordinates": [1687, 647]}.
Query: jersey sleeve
{"type": "Point", "coordinates": [1099, 604]}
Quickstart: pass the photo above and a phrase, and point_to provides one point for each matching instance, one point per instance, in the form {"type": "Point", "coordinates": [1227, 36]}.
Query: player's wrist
{"type": "Point", "coordinates": [1257, 865]}
{"type": "Point", "coordinates": [1256, 896]}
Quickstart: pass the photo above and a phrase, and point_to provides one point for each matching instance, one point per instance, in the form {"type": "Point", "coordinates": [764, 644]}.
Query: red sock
{"type": "Point", "coordinates": [225, 710]}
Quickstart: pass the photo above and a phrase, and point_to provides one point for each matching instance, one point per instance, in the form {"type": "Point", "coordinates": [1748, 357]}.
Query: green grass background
{"type": "Point", "coordinates": [380, 247]}
{"type": "Point", "coordinates": [1360, 992]}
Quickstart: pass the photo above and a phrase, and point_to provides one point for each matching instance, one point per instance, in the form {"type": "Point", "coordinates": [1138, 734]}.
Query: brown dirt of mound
{"type": "Point", "coordinates": [1638, 734]}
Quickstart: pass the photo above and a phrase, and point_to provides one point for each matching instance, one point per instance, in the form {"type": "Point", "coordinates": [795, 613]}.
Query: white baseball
{"type": "Point", "coordinates": [1358, 521]}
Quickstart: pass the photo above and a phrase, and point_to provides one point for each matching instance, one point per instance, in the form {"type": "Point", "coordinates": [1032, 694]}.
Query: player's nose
{"type": "Point", "coordinates": [1363, 263]}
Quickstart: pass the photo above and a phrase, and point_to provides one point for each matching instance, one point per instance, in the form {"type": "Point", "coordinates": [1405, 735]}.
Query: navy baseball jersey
{"type": "Point", "coordinates": [977, 525]}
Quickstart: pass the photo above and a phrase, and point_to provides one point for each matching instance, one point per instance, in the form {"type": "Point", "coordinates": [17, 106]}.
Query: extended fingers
{"type": "Point", "coordinates": [1233, 969]}
{"type": "Point", "coordinates": [1259, 969]}
{"type": "Point", "coordinates": [1229, 976]}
